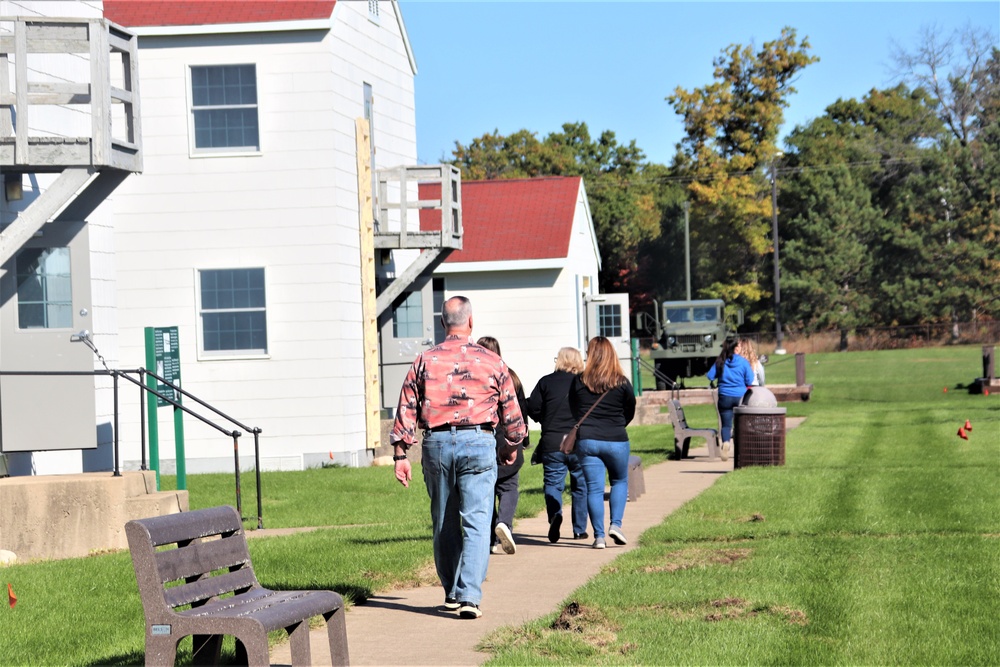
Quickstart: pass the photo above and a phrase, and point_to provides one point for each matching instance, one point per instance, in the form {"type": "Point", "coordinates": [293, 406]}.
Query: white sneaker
{"type": "Point", "coordinates": [727, 447]}
{"type": "Point", "coordinates": [506, 539]}
{"type": "Point", "coordinates": [615, 533]}
{"type": "Point", "coordinates": [496, 549]}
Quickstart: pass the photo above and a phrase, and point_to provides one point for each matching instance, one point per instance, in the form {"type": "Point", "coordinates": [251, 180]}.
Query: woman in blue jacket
{"type": "Point", "coordinates": [734, 375]}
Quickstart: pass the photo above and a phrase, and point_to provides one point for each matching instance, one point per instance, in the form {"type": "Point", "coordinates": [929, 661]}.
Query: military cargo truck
{"type": "Point", "coordinates": [687, 337]}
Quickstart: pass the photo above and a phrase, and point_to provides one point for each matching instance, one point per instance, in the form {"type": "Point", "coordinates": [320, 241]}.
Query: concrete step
{"type": "Point", "coordinates": [158, 503]}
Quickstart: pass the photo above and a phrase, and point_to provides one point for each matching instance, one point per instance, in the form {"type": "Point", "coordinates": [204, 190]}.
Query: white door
{"type": "Point", "coordinates": [407, 332]}
{"type": "Point", "coordinates": [45, 299]}
{"type": "Point", "coordinates": [607, 315]}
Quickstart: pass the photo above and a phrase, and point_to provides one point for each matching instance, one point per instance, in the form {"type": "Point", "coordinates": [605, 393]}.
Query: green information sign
{"type": "Point", "coordinates": [166, 351]}
{"type": "Point", "coordinates": [163, 357]}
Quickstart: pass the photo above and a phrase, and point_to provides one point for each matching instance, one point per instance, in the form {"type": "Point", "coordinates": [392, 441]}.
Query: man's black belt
{"type": "Point", "coordinates": [462, 427]}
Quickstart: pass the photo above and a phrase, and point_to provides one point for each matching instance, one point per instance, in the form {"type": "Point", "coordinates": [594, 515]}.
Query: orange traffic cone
{"type": "Point", "coordinates": [946, 390]}
{"type": "Point", "coordinates": [961, 433]}
{"type": "Point", "coordinates": [986, 392]}
{"type": "Point", "coordinates": [11, 598]}
{"type": "Point", "coordinates": [968, 425]}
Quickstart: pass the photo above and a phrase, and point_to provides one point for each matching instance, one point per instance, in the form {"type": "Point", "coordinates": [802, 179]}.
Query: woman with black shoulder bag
{"type": "Point", "coordinates": [603, 402]}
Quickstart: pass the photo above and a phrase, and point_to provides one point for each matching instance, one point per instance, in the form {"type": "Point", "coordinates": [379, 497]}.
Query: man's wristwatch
{"type": "Point", "coordinates": [399, 457]}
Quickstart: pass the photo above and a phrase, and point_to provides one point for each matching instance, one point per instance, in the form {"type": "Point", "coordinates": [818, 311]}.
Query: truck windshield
{"type": "Point", "coordinates": [679, 315]}
{"type": "Point", "coordinates": [706, 314]}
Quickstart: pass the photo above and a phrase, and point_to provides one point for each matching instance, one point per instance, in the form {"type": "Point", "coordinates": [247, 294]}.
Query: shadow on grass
{"type": "Point", "coordinates": [386, 540]}
{"type": "Point", "coordinates": [121, 660]}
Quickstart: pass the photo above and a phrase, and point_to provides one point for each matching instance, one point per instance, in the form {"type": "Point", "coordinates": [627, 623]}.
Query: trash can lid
{"type": "Point", "coordinates": [759, 397]}
{"type": "Point", "coordinates": [743, 410]}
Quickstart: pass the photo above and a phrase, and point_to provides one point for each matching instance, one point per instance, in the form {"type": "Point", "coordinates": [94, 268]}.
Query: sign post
{"type": "Point", "coordinates": [163, 355]}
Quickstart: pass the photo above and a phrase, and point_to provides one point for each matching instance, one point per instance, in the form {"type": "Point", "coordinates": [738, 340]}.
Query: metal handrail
{"type": "Point", "coordinates": [141, 372]}
{"type": "Point", "coordinates": [235, 435]}
{"type": "Point", "coordinates": [674, 386]}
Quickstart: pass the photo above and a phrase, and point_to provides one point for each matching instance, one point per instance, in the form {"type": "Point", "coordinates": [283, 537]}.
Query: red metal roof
{"type": "Point", "coordinates": [140, 13]}
{"type": "Point", "coordinates": [515, 219]}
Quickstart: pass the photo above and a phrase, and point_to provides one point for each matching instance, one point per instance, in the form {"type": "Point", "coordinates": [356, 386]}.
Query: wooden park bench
{"type": "Point", "coordinates": [683, 433]}
{"type": "Point", "coordinates": [206, 588]}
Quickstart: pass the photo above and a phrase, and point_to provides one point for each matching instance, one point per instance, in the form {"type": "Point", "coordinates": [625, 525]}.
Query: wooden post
{"type": "Point", "coordinates": [369, 314]}
{"type": "Point", "coordinates": [800, 369]}
{"type": "Point", "coordinates": [989, 366]}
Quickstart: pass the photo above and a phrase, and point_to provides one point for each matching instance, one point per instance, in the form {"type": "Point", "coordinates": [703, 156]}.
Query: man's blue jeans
{"type": "Point", "coordinates": [596, 457]}
{"type": "Point", "coordinates": [460, 471]}
{"type": "Point", "coordinates": [556, 465]}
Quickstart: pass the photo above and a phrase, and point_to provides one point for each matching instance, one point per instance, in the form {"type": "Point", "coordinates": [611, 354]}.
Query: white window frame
{"type": "Point", "coordinates": [226, 151]}
{"type": "Point", "coordinates": [216, 355]}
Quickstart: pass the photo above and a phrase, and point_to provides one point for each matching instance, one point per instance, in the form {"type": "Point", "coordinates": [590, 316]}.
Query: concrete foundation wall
{"type": "Point", "coordinates": [69, 516]}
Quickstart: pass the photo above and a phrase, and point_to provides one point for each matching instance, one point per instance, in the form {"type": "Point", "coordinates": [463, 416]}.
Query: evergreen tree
{"type": "Point", "coordinates": [731, 129]}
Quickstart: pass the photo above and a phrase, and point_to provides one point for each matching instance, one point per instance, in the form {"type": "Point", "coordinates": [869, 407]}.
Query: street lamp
{"type": "Point", "coordinates": [778, 337]}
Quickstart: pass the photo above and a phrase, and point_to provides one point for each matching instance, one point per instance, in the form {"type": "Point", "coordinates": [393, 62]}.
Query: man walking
{"type": "Point", "coordinates": [458, 393]}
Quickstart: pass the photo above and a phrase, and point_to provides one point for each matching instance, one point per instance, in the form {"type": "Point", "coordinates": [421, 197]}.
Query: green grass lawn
{"type": "Point", "coordinates": [877, 543]}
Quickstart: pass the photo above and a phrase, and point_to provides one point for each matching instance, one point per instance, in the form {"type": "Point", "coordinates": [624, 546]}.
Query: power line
{"type": "Point", "coordinates": [641, 180]}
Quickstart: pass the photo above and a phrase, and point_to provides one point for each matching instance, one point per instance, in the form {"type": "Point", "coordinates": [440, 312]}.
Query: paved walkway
{"type": "Point", "coordinates": [408, 627]}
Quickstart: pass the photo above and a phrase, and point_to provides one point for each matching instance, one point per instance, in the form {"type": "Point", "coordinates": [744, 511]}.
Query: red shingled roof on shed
{"type": "Point", "coordinates": [518, 219]}
{"type": "Point", "coordinates": [140, 13]}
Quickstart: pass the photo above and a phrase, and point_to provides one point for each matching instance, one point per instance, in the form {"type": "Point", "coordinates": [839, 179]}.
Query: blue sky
{"type": "Point", "coordinates": [536, 65]}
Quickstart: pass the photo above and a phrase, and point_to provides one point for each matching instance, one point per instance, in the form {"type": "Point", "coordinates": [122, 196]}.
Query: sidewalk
{"type": "Point", "coordinates": [409, 627]}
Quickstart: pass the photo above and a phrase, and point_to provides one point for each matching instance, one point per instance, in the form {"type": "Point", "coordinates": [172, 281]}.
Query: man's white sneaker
{"type": "Point", "coordinates": [506, 539]}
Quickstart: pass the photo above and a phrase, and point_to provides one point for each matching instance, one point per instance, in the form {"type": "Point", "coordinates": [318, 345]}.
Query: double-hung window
{"type": "Point", "coordinates": [233, 312]}
{"type": "Point", "coordinates": [224, 108]}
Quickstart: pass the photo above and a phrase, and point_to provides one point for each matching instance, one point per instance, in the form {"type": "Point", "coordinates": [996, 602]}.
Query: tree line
{"type": "Point", "coordinates": [888, 205]}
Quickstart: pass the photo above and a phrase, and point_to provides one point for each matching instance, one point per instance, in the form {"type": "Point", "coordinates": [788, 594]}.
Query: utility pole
{"type": "Point", "coordinates": [687, 248]}
{"type": "Point", "coordinates": [778, 337]}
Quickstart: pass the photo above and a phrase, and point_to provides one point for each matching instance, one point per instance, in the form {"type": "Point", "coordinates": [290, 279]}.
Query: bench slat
{"type": "Point", "coordinates": [273, 609]}
{"type": "Point", "coordinates": [210, 587]}
{"type": "Point", "coordinates": [173, 528]}
{"type": "Point", "coordinates": [201, 557]}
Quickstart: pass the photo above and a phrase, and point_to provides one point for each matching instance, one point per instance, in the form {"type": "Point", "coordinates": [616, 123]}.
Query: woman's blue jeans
{"type": "Point", "coordinates": [460, 472]}
{"type": "Point", "coordinates": [726, 406]}
{"type": "Point", "coordinates": [598, 456]}
{"type": "Point", "coordinates": [555, 466]}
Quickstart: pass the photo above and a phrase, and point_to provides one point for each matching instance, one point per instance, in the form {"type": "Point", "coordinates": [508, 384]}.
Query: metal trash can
{"type": "Point", "coordinates": [759, 436]}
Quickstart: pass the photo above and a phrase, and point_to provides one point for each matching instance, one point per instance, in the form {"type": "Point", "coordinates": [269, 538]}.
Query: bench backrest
{"type": "Point", "coordinates": [677, 413]}
{"type": "Point", "coordinates": [205, 568]}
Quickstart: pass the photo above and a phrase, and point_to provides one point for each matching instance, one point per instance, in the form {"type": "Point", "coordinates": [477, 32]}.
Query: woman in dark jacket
{"type": "Point", "coordinates": [602, 442]}
{"type": "Point", "coordinates": [549, 406]}
{"type": "Point", "coordinates": [508, 476]}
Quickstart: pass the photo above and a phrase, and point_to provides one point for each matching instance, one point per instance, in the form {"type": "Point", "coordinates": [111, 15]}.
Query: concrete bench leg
{"type": "Point", "coordinates": [336, 630]}
{"type": "Point", "coordinates": [636, 483]}
{"type": "Point", "coordinates": [298, 635]}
